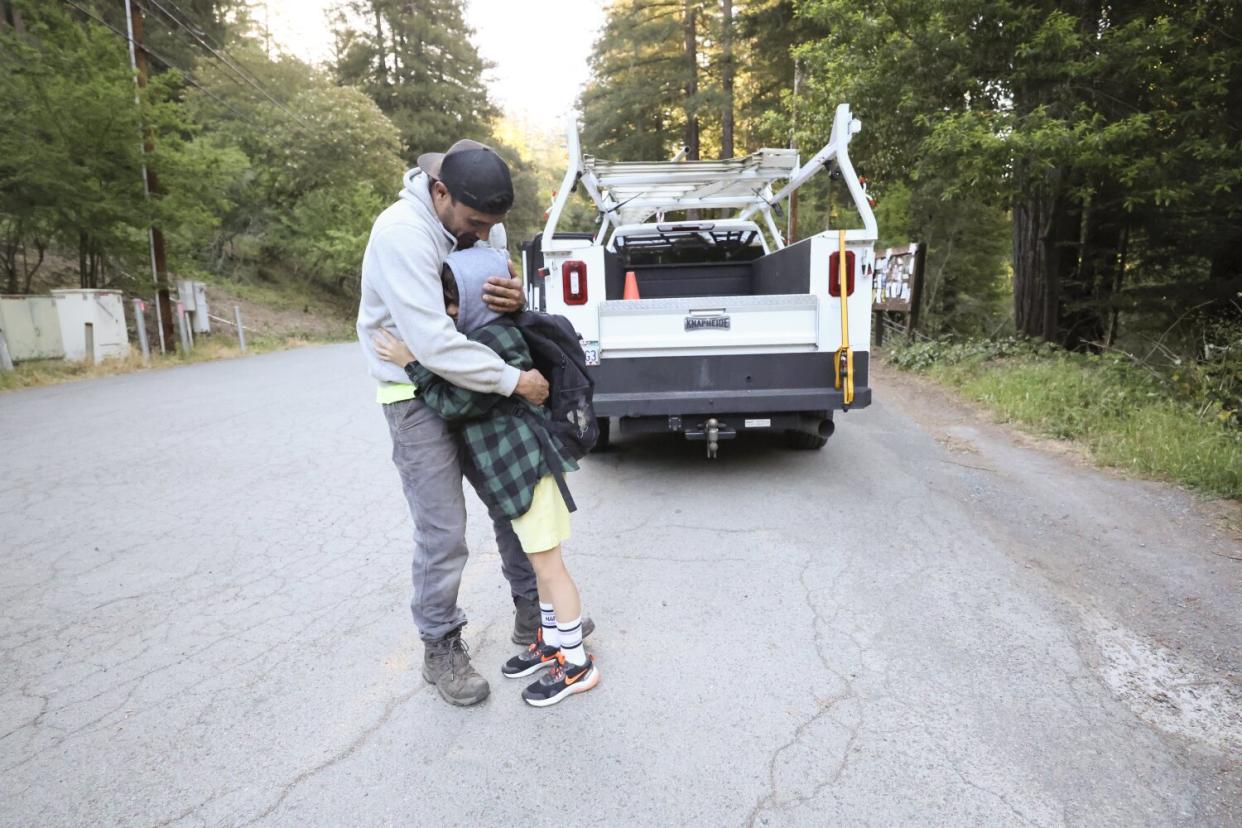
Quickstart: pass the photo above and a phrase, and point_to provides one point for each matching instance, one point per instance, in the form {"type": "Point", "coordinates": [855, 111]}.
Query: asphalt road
{"type": "Point", "coordinates": [204, 622]}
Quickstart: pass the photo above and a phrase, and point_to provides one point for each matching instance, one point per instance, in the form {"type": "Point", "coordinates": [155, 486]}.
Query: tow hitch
{"type": "Point", "coordinates": [712, 431]}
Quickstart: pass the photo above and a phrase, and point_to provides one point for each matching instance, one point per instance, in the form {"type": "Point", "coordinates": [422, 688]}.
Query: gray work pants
{"type": "Point", "coordinates": [427, 457]}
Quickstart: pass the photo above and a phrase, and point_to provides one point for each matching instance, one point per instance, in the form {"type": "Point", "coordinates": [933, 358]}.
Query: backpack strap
{"type": "Point", "coordinates": [549, 453]}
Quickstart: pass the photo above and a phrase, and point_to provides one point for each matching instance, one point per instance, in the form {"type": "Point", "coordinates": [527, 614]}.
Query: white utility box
{"type": "Point", "coordinates": [97, 314]}
{"type": "Point", "coordinates": [31, 326]}
{"type": "Point", "coordinates": [193, 296]}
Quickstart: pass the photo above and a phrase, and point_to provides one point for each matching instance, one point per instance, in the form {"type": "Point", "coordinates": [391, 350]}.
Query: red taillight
{"type": "Point", "coordinates": [574, 278]}
{"type": "Point", "coordinates": [834, 273]}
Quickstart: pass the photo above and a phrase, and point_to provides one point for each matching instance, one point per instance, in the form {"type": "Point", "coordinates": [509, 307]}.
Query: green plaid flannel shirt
{"type": "Point", "coordinates": [501, 443]}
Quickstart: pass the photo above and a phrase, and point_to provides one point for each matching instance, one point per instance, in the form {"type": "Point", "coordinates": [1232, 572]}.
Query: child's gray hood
{"type": "Point", "coordinates": [471, 270]}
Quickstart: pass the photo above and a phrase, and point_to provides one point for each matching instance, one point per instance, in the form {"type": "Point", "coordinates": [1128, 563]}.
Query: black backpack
{"type": "Point", "coordinates": [557, 352]}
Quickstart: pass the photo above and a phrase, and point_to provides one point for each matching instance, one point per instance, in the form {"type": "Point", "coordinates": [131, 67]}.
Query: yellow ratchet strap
{"type": "Point", "coordinates": [845, 356]}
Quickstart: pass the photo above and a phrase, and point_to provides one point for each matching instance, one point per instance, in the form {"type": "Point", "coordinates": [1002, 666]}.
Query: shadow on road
{"type": "Point", "coordinates": [755, 452]}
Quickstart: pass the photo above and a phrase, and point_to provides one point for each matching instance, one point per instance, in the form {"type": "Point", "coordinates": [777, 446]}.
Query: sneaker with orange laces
{"type": "Point", "coordinates": [562, 681]}
{"type": "Point", "coordinates": [535, 658]}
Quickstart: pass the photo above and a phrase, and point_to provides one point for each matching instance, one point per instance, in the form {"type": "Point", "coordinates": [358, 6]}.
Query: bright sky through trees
{"type": "Point", "coordinates": [540, 48]}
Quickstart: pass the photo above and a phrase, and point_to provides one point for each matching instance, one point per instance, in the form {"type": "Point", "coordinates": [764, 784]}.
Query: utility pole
{"type": "Point", "coordinates": [150, 183]}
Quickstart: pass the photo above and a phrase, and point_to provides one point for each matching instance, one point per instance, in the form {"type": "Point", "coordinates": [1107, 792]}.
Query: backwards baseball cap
{"type": "Point", "coordinates": [474, 174]}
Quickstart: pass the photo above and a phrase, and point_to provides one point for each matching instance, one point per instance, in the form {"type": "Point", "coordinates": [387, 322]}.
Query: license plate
{"type": "Point", "coordinates": [701, 323]}
{"type": "Point", "coordinates": [591, 349]}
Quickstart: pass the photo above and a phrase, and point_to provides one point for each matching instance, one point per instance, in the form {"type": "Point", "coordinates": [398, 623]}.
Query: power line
{"type": "Point", "coordinates": [195, 20]}
{"type": "Point", "coordinates": [228, 63]}
{"type": "Point", "coordinates": [189, 77]}
{"type": "Point", "coordinates": [200, 30]}
{"type": "Point", "coordinates": [237, 70]}
{"type": "Point", "coordinates": [231, 73]}
{"type": "Point", "coordinates": [156, 56]}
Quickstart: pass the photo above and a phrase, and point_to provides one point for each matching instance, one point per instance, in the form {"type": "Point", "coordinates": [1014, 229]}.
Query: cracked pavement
{"type": "Point", "coordinates": [203, 621]}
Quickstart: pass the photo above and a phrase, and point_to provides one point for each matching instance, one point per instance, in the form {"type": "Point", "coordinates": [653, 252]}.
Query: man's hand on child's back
{"type": "Point", "coordinates": [532, 386]}
{"type": "Point", "coordinates": [504, 295]}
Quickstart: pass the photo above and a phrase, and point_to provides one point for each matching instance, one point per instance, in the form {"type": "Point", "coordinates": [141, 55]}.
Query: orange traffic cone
{"type": "Point", "coordinates": [631, 286]}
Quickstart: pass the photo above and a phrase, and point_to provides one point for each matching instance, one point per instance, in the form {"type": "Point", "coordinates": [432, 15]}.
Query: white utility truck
{"type": "Point", "coordinates": [706, 327]}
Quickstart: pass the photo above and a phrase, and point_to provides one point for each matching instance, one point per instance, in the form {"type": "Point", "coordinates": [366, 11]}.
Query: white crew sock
{"type": "Point", "coordinates": [551, 636]}
{"type": "Point", "coordinates": [571, 641]}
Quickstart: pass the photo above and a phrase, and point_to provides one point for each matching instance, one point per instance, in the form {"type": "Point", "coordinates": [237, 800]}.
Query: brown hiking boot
{"type": "Point", "coordinates": [446, 664]}
{"type": "Point", "coordinates": [526, 621]}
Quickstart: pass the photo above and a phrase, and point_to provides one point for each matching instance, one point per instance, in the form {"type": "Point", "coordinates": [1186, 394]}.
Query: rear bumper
{"type": "Point", "coordinates": [741, 384]}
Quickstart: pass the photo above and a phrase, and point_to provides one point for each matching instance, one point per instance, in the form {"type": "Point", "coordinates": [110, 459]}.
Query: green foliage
{"type": "Point", "coordinates": [71, 145]}
{"type": "Point", "coordinates": [633, 108]}
{"type": "Point", "coordinates": [415, 59]}
{"type": "Point", "coordinates": [326, 231]}
{"type": "Point", "coordinates": [636, 105]}
{"type": "Point", "coordinates": [268, 168]}
{"type": "Point", "coordinates": [321, 166]}
{"type": "Point", "coordinates": [69, 130]}
{"type": "Point", "coordinates": [1107, 131]}
{"type": "Point", "coordinates": [196, 172]}
{"type": "Point", "coordinates": [927, 354]}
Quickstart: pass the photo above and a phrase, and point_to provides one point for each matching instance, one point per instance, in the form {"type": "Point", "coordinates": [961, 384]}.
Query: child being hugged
{"type": "Point", "coordinates": [509, 442]}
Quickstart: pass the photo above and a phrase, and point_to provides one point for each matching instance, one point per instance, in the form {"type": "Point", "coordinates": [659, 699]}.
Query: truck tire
{"type": "Point", "coordinates": [802, 441]}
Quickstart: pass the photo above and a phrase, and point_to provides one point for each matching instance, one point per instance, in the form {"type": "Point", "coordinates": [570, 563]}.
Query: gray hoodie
{"type": "Point", "coordinates": [402, 293]}
{"type": "Point", "coordinates": [471, 270]}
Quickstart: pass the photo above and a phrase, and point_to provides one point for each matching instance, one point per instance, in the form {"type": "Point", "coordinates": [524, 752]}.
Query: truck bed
{"type": "Point", "coordinates": [786, 271]}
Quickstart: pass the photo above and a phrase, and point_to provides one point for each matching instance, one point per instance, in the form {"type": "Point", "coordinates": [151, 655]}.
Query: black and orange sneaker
{"type": "Point", "coordinates": [562, 681]}
{"type": "Point", "coordinates": [535, 658]}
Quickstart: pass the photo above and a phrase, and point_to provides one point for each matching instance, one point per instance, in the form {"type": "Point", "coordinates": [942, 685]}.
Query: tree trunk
{"type": "Point", "coordinates": [93, 258]}
{"type": "Point", "coordinates": [400, 49]}
{"type": "Point", "coordinates": [726, 82]}
{"type": "Point", "coordinates": [83, 250]}
{"type": "Point", "coordinates": [12, 17]}
{"type": "Point", "coordinates": [692, 83]}
{"type": "Point", "coordinates": [1036, 261]}
{"type": "Point", "coordinates": [41, 246]}
{"type": "Point", "coordinates": [381, 65]}
{"type": "Point", "coordinates": [1119, 274]}
{"type": "Point", "coordinates": [11, 241]}
{"type": "Point", "coordinates": [1225, 264]}
{"type": "Point", "coordinates": [1089, 289]}
{"type": "Point", "coordinates": [1077, 292]}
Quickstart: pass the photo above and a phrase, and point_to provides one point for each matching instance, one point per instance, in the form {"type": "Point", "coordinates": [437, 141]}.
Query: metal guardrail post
{"type": "Point", "coordinates": [181, 331]}
{"type": "Point", "coordinates": [241, 332]}
{"type": "Point", "coordinates": [6, 361]}
{"type": "Point", "coordinates": [159, 325]}
{"type": "Point", "coordinates": [140, 323]}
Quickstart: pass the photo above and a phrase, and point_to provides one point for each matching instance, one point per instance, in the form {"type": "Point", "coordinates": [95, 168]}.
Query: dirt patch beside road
{"type": "Point", "coordinates": [288, 320]}
{"type": "Point", "coordinates": [938, 408]}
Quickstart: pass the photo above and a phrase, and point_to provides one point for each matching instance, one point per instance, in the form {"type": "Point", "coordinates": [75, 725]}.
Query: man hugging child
{"type": "Point", "coordinates": [518, 467]}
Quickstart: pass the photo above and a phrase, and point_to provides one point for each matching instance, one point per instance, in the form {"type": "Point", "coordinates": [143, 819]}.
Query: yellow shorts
{"type": "Point", "coordinates": [546, 523]}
